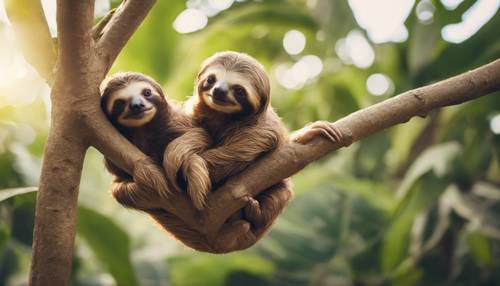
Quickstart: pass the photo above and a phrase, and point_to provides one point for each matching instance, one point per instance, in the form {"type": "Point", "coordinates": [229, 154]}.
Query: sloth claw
{"type": "Point", "coordinates": [318, 128]}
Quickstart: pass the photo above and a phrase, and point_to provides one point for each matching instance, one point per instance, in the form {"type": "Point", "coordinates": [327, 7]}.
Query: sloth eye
{"type": "Point", "coordinates": [146, 92]}
{"type": "Point", "coordinates": [211, 79]}
{"type": "Point", "coordinates": [239, 91]}
{"type": "Point", "coordinates": [118, 107]}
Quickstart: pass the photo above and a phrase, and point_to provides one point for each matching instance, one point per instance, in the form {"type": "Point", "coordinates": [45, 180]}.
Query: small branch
{"type": "Point", "coordinates": [97, 31]}
{"type": "Point", "coordinates": [399, 109]}
{"type": "Point", "coordinates": [121, 26]}
{"type": "Point", "coordinates": [32, 33]}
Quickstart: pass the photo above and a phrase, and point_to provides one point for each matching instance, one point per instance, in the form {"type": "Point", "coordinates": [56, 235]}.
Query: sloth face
{"type": "Point", "coordinates": [233, 83]}
{"type": "Point", "coordinates": [133, 105]}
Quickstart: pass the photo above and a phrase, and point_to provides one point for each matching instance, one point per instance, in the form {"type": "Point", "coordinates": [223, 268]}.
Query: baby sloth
{"type": "Point", "coordinates": [136, 106]}
{"type": "Point", "coordinates": [232, 103]}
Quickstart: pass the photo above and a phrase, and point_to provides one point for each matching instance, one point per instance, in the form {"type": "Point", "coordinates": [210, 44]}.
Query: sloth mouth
{"type": "Point", "coordinates": [138, 114]}
{"type": "Point", "coordinates": [224, 101]}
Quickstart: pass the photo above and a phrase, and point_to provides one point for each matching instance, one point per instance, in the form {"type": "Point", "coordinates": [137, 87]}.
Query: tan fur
{"type": "Point", "coordinates": [234, 78]}
{"type": "Point", "coordinates": [182, 154]}
{"type": "Point", "coordinates": [146, 189]}
{"type": "Point", "coordinates": [238, 140]}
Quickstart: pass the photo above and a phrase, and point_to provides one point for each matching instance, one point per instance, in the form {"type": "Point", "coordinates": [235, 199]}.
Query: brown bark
{"type": "Point", "coordinates": [75, 97]}
{"type": "Point", "coordinates": [83, 60]}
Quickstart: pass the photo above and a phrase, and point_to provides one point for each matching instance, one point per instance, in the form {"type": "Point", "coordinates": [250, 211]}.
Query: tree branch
{"type": "Point", "coordinates": [55, 215]}
{"type": "Point", "coordinates": [399, 109]}
{"type": "Point", "coordinates": [121, 26]}
{"type": "Point", "coordinates": [98, 29]}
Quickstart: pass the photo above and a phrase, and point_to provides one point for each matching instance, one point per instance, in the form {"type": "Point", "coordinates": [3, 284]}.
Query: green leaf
{"type": "Point", "coordinates": [481, 249]}
{"type": "Point", "coordinates": [8, 193]}
{"type": "Point", "coordinates": [109, 242]}
{"type": "Point", "coordinates": [435, 158]}
{"type": "Point", "coordinates": [208, 269]}
{"type": "Point", "coordinates": [451, 60]}
{"type": "Point", "coordinates": [421, 195]}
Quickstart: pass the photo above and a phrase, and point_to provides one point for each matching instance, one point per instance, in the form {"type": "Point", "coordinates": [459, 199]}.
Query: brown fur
{"type": "Point", "coordinates": [152, 138]}
{"type": "Point", "coordinates": [238, 140]}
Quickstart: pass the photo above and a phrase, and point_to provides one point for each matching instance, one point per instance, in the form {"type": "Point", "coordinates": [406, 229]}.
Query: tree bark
{"type": "Point", "coordinates": [75, 97]}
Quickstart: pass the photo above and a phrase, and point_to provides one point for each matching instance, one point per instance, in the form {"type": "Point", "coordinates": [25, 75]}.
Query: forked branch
{"type": "Point", "coordinates": [122, 25]}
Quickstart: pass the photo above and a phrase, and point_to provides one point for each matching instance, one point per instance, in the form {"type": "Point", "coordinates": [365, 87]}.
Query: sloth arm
{"type": "Point", "coordinates": [240, 150]}
{"type": "Point", "coordinates": [182, 155]}
{"type": "Point", "coordinates": [130, 195]}
{"type": "Point", "coordinates": [192, 142]}
{"type": "Point", "coordinates": [233, 236]}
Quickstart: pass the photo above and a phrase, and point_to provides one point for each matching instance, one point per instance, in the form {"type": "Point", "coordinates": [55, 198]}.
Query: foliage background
{"type": "Point", "coordinates": [417, 204]}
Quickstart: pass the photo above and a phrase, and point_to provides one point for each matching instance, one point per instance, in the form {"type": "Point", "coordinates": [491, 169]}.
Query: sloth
{"type": "Point", "coordinates": [136, 106]}
{"type": "Point", "coordinates": [232, 103]}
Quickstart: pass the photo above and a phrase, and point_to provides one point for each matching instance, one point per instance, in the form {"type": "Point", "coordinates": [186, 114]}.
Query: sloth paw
{"type": "Point", "coordinates": [234, 236]}
{"type": "Point", "coordinates": [318, 128]}
{"type": "Point", "coordinates": [150, 177]}
{"type": "Point", "coordinates": [253, 213]}
{"type": "Point", "coordinates": [198, 182]}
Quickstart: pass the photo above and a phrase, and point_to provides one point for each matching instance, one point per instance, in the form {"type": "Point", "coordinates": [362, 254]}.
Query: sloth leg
{"type": "Point", "coordinates": [266, 207]}
{"type": "Point", "coordinates": [130, 195]}
{"type": "Point", "coordinates": [318, 128]}
{"type": "Point", "coordinates": [180, 230]}
{"type": "Point", "coordinates": [151, 179]}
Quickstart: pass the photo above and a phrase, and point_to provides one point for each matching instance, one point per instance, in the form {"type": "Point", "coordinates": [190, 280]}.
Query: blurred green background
{"type": "Point", "coordinates": [418, 204]}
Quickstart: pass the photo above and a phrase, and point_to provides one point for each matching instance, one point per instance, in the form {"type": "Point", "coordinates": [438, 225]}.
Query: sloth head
{"type": "Point", "coordinates": [233, 83]}
{"type": "Point", "coordinates": [131, 99]}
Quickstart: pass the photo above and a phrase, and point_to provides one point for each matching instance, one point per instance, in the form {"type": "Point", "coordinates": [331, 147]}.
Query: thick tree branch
{"type": "Point", "coordinates": [55, 216]}
{"type": "Point", "coordinates": [399, 109]}
{"type": "Point", "coordinates": [121, 26]}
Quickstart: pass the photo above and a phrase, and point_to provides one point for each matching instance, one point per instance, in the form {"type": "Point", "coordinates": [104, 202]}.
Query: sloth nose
{"type": "Point", "coordinates": [136, 104]}
{"type": "Point", "coordinates": [219, 93]}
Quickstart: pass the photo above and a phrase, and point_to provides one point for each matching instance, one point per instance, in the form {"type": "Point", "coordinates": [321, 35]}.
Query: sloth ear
{"type": "Point", "coordinates": [104, 103]}
{"type": "Point", "coordinates": [264, 103]}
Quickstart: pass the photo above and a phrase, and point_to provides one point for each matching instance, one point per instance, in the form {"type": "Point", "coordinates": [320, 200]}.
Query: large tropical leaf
{"type": "Point", "coordinates": [109, 242]}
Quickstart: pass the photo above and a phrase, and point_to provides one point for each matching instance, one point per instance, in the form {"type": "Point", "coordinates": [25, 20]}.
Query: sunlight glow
{"type": "Point", "coordinates": [221, 4]}
{"type": "Point", "coordinates": [472, 20]}
{"type": "Point", "coordinates": [49, 8]}
{"type": "Point", "coordinates": [451, 4]}
{"type": "Point", "coordinates": [3, 15]}
{"type": "Point", "coordinates": [190, 20]}
{"type": "Point", "coordinates": [210, 7]}
{"type": "Point", "coordinates": [101, 8]}
{"type": "Point", "coordinates": [295, 76]}
{"type": "Point", "coordinates": [355, 49]}
{"type": "Point", "coordinates": [382, 19]}
{"type": "Point", "coordinates": [425, 11]}
{"type": "Point", "coordinates": [495, 124]}
{"type": "Point", "coordinates": [378, 84]}
{"type": "Point", "coordinates": [294, 42]}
